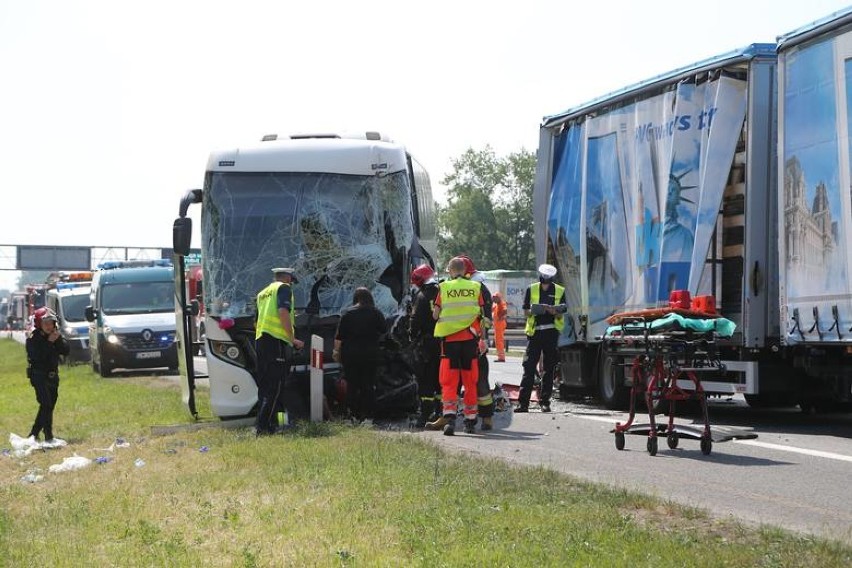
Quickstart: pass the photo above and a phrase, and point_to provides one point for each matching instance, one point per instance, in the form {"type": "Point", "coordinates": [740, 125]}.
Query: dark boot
{"type": "Point", "coordinates": [450, 429]}
{"type": "Point", "coordinates": [470, 425]}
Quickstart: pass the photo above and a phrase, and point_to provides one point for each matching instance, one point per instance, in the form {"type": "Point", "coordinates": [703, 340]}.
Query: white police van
{"type": "Point", "coordinates": [132, 316]}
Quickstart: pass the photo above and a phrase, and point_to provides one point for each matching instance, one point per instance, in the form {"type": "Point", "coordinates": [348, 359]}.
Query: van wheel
{"type": "Point", "coordinates": [103, 367]}
{"type": "Point", "coordinates": [611, 390]}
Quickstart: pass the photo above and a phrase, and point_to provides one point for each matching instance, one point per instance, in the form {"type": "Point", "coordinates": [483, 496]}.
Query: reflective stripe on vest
{"type": "Point", "coordinates": [535, 295]}
{"type": "Point", "coordinates": [459, 306]}
{"type": "Point", "coordinates": [268, 320]}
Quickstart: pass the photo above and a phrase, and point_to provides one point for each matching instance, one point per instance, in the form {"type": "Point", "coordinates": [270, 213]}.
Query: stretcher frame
{"type": "Point", "coordinates": [662, 359]}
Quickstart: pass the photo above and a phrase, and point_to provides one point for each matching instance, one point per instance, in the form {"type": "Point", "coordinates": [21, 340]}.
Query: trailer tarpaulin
{"type": "Point", "coordinates": [636, 193]}
{"type": "Point", "coordinates": [816, 251]}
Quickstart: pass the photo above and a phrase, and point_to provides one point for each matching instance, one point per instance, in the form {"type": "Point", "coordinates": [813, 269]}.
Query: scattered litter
{"type": "Point", "coordinates": [32, 477]}
{"type": "Point", "coordinates": [170, 451]}
{"type": "Point", "coordinates": [22, 447]}
{"type": "Point", "coordinates": [139, 462]}
{"type": "Point", "coordinates": [70, 464]}
{"type": "Point", "coordinates": [6, 452]}
{"type": "Point", "coordinates": [203, 449]}
{"type": "Point", "coordinates": [121, 443]}
{"type": "Point", "coordinates": [103, 459]}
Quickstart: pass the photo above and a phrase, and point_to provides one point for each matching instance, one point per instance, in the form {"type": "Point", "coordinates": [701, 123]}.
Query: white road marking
{"type": "Point", "coordinates": [766, 445]}
{"type": "Point", "coordinates": [795, 450]}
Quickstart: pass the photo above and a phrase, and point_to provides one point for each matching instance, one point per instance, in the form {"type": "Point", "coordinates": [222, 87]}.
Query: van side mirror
{"type": "Point", "coordinates": [182, 235]}
{"type": "Point", "coordinates": [91, 314]}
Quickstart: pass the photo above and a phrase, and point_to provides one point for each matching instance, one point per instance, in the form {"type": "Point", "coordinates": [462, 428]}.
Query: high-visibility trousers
{"type": "Point", "coordinates": [458, 363]}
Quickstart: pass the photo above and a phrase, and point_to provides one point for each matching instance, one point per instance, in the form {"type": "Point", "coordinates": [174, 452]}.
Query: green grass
{"type": "Point", "coordinates": [324, 495]}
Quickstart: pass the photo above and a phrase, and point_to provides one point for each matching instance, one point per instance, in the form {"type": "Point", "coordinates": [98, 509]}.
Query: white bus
{"type": "Point", "coordinates": [343, 210]}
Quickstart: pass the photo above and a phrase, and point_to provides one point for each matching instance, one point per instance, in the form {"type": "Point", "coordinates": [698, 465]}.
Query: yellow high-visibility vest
{"type": "Point", "coordinates": [267, 313]}
{"type": "Point", "coordinates": [535, 295]}
{"type": "Point", "coordinates": [459, 306]}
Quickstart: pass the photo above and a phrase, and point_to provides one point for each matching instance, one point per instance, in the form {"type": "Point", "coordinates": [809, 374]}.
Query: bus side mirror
{"type": "Point", "coordinates": [193, 307]}
{"type": "Point", "coordinates": [90, 313]}
{"type": "Point", "coordinates": [182, 235]}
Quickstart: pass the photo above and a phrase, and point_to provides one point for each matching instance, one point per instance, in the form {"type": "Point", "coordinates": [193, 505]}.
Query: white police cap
{"type": "Point", "coordinates": [547, 271]}
{"type": "Point", "coordinates": [290, 271]}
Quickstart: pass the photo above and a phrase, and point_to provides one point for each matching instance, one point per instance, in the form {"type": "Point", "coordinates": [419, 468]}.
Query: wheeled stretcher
{"type": "Point", "coordinates": [670, 358]}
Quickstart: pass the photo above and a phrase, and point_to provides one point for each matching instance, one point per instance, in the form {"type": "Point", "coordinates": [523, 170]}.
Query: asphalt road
{"type": "Point", "coordinates": [795, 474]}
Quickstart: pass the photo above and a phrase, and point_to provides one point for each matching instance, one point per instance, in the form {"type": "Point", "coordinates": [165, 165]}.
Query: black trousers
{"type": "Point", "coordinates": [360, 374]}
{"type": "Point", "coordinates": [427, 370]}
{"type": "Point", "coordinates": [46, 385]}
{"type": "Point", "coordinates": [543, 342]}
{"type": "Point", "coordinates": [273, 367]}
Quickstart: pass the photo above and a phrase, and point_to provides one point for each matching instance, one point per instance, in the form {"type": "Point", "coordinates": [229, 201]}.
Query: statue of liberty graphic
{"type": "Point", "coordinates": [678, 239]}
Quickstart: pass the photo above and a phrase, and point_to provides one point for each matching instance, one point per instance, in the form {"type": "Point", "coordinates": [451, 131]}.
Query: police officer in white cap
{"type": "Point", "coordinates": [275, 339]}
{"type": "Point", "coordinates": [544, 304]}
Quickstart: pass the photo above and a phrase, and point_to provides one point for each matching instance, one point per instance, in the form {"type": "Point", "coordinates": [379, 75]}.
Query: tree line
{"type": "Point", "coordinates": [488, 214]}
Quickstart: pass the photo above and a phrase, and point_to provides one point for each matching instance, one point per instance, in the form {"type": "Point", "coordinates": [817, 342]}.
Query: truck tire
{"type": "Point", "coordinates": [611, 390]}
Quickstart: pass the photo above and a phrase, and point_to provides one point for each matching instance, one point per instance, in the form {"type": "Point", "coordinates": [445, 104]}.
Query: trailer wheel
{"type": "Point", "coordinates": [619, 441]}
{"type": "Point", "coordinates": [652, 445]}
{"type": "Point", "coordinates": [611, 390]}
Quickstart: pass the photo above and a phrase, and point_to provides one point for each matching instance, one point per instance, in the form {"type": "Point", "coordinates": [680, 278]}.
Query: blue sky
{"type": "Point", "coordinates": [108, 110]}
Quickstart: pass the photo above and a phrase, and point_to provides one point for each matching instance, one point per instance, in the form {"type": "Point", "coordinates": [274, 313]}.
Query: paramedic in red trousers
{"type": "Point", "coordinates": [458, 310]}
{"type": "Point", "coordinates": [274, 342]}
{"type": "Point", "coordinates": [484, 397]}
{"type": "Point", "coordinates": [544, 303]}
{"type": "Point", "coordinates": [45, 345]}
{"type": "Point", "coordinates": [421, 332]}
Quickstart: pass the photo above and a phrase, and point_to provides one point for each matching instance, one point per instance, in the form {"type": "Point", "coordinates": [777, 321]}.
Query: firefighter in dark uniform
{"type": "Point", "coordinates": [45, 346]}
{"type": "Point", "coordinates": [544, 304]}
{"type": "Point", "coordinates": [274, 342]}
{"type": "Point", "coordinates": [421, 332]}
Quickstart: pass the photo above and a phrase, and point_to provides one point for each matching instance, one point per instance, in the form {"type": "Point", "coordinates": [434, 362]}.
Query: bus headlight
{"type": "Point", "coordinates": [70, 331]}
{"type": "Point", "coordinates": [228, 351]}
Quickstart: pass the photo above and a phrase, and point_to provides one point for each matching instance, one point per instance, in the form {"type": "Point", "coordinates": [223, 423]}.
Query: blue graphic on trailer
{"type": "Point", "coordinates": [649, 179]}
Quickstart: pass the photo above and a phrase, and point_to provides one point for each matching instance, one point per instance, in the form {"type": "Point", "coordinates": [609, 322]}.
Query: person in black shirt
{"type": "Point", "coordinates": [45, 345]}
{"type": "Point", "coordinates": [356, 347]}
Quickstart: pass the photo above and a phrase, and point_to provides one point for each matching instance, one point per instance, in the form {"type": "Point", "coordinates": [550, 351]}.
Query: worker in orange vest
{"type": "Point", "coordinates": [498, 317]}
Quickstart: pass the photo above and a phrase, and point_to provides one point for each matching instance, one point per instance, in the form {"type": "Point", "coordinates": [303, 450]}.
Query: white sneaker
{"type": "Point", "coordinates": [54, 443]}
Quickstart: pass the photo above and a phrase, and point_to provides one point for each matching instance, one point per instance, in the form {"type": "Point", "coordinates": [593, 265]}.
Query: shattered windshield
{"type": "Point", "coordinates": [338, 231]}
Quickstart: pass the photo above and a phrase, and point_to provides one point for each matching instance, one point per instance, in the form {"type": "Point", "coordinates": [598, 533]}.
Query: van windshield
{"type": "Point", "coordinates": [74, 307]}
{"type": "Point", "coordinates": [137, 298]}
{"type": "Point", "coordinates": [338, 231]}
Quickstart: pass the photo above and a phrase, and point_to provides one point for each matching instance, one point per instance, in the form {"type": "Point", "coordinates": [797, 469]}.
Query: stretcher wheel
{"type": "Point", "coordinates": [652, 446]}
{"type": "Point", "coordinates": [706, 446]}
{"type": "Point", "coordinates": [619, 441]}
{"type": "Point", "coordinates": [672, 440]}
